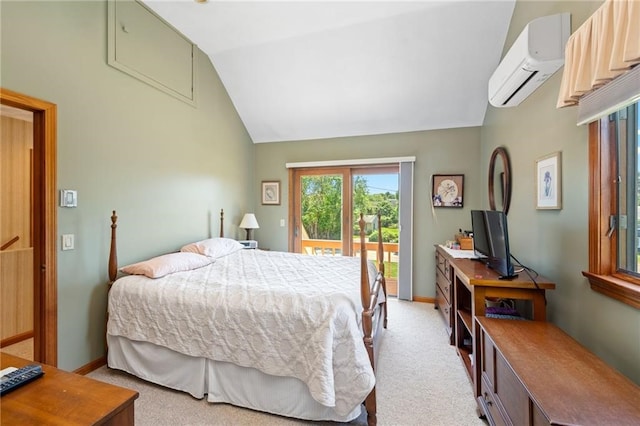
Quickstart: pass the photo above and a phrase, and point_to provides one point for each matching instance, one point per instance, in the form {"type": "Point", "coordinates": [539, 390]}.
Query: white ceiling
{"type": "Point", "coordinates": [298, 70]}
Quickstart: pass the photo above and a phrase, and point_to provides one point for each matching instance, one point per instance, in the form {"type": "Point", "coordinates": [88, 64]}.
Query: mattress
{"type": "Point", "coordinates": [277, 314]}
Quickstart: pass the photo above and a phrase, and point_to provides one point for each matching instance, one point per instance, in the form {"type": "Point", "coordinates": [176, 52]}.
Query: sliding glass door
{"type": "Point", "coordinates": [375, 190]}
{"type": "Point", "coordinates": [327, 207]}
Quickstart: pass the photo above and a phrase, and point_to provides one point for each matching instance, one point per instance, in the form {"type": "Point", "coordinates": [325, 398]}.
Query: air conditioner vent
{"type": "Point", "coordinates": [536, 55]}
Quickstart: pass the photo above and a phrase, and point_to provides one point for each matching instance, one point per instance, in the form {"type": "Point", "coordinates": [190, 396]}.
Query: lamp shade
{"type": "Point", "coordinates": [249, 222]}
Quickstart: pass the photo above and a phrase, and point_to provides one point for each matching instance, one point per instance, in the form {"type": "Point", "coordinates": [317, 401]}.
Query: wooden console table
{"type": "Point", "coordinates": [533, 373]}
{"type": "Point", "coordinates": [62, 398]}
{"type": "Point", "coordinates": [469, 283]}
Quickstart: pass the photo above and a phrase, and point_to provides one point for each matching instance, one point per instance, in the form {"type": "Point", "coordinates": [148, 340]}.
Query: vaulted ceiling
{"type": "Point", "coordinates": [298, 70]}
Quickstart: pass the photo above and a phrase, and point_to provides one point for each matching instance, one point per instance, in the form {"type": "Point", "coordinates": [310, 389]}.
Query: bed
{"type": "Point", "coordinates": [288, 334]}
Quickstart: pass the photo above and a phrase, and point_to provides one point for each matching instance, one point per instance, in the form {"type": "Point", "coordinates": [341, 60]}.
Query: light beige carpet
{"type": "Point", "coordinates": [420, 381]}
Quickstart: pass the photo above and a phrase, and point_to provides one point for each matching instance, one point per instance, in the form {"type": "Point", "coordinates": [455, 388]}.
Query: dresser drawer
{"type": "Point", "coordinates": [488, 363]}
{"type": "Point", "coordinates": [487, 402]}
{"type": "Point", "coordinates": [444, 285]}
{"type": "Point", "coordinates": [442, 266]}
{"type": "Point", "coordinates": [445, 307]}
{"type": "Point", "coordinates": [511, 393]}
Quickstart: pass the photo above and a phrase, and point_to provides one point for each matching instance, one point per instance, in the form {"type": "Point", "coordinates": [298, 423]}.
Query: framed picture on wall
{"type": "Point", "coordinates": [271, 192]}
{"type": "Point", "coordinates": [447, 190]}
{"type": "Point", "coordinates": [549, 182]}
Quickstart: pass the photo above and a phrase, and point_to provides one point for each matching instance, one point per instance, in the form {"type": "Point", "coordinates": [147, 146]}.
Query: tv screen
{"type": "Point", "coordinates": [480, 238]}
{"type": "Point", "coordinates": [498, 236]}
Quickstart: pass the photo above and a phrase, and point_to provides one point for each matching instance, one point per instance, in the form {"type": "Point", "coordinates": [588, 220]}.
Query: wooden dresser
{"type": "Point", "coordinates": [533, 373]}
{"type": "Point", "coordinates": [444, 292]}
{"type": "Point", "coordinates": [63, 398]}
{"type": "Point", "coordinates": [461, 288]}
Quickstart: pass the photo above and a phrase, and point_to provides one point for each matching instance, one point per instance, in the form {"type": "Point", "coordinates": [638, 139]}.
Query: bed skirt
{"type": "Point", "coordinates": [220, 381]}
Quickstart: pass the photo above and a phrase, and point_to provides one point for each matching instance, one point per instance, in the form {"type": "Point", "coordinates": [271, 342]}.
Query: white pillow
{"type": "Point", "coordinates": [167, 264]}
{"type": "Point", "coordinates": [213, 247]}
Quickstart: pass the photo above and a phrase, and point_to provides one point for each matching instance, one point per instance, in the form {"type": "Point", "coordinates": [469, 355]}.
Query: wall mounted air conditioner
{"type": "Point", "coordinates": [536, 55]}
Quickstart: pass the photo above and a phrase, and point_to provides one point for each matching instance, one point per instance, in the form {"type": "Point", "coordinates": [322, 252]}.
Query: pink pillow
{"type": "Point", "coordinates": [213, 247]}
{"type": "Point", "coordinates": [167, 264]}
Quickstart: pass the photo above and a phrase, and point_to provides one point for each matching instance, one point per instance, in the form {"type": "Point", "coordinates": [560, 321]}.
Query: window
{"type": "Point", "coordinates": [614, 205]}
{"type": "Point", "coordinates": [626, 131]}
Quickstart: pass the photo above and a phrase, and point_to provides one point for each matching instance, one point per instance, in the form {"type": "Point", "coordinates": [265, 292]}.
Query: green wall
{"type": "Point", "coordinates": [555, 242]}
{"type": "Point", "coordinates": [453, 151]}
{"type": "Point", "coordinates": [165, 166]}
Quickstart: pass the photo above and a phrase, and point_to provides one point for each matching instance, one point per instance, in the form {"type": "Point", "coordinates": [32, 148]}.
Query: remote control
{"type": "Point", "coordinates": [19, 377]}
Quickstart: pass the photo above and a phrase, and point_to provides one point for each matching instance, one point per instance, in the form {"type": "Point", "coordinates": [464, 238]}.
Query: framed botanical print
{"type": "Point", "coordinates": [447, 190]}
{"type": "Point", "coordinates": [271, 192]}
{"type": "Point", "coordinates": [549, 182]}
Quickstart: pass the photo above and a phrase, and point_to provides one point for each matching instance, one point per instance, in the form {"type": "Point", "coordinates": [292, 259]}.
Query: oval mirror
{"type": "Point", "coordinates": [499, 180]}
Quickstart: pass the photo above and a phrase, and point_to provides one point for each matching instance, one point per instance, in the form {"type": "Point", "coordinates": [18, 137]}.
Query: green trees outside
{"type": "Point", "coordinates": [322, 206]}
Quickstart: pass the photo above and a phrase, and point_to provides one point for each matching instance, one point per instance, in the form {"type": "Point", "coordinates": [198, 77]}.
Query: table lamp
{"type": "Point", "coordinates": [249, 222]}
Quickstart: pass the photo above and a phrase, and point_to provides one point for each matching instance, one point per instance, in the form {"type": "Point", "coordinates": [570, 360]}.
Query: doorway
{"type": "Point", "coordinates": [327, 203]}
{"type": "Point", "coordinates": [42, 226]}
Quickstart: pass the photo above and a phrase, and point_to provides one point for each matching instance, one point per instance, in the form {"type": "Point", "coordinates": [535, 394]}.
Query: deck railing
{"type": "Point", "coordinates": [334, 248]}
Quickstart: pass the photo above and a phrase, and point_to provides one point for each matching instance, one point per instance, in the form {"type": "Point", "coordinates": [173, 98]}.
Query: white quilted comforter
{"type": "Point", "coordinates": [284, 314]}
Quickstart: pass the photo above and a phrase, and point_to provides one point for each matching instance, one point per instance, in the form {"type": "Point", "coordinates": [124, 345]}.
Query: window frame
{"type": "Point", "coordinates": [603, 275]}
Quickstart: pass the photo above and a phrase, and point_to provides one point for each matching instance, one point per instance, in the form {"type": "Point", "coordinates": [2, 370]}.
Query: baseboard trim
{"type": "Point", "coordinates": [16, 339]}
{"type": "Point", "coordinates": [424, 299]}
{"type": "Point", "coordinates": [93, 365]}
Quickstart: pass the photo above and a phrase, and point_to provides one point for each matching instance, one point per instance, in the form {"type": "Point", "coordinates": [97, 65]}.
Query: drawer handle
{"type": "Point", "coordinates": [487, 400]}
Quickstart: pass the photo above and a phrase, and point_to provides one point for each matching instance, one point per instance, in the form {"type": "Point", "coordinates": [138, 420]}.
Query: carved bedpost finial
{"type": "Point", "coordinates": [361, 224]}
{"type": "Point", "coordinates": [364, 273]}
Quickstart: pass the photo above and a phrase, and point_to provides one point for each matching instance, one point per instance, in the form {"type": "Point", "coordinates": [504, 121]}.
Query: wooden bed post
{"type": "Point", "coordinates": [365, 285]}
{"type": "Point", "coordinates": [381, 267]}
{"type": "Point", "coordinates": [367, 319]}
{"type": "Point", "coordinates": [113, 268]}
{"type": "Point", "coordinates": [113, 255]}
{"type": "Point", "coordinates": [221, 223]}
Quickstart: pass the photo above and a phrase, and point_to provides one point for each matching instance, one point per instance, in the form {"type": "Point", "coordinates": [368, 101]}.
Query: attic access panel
{"type": "Point", "coordinates": [144, 46]}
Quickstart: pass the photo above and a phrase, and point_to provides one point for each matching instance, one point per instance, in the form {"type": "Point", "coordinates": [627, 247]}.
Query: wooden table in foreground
{"type": "Point", "coordinates": [63, 398]}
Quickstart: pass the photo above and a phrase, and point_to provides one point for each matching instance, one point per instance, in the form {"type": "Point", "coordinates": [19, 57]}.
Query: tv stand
{"type": "Point", "coordinates": [461, 288]}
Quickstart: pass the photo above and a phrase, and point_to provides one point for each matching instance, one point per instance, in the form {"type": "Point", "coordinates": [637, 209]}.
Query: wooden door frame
{"type": "Point", "coordinates": [347, 172]}
{"type": "Point", "coordinates": [44, 222]}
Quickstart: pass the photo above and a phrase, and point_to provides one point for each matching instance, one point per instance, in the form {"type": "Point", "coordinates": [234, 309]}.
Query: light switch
{"type": "Point", "coordinates": [282, 223]}
{"type": "Point", "coordinates": [68, 242]}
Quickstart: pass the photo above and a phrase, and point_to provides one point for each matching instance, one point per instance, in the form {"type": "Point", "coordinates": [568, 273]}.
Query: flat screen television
{"type": "Point", "coordinates": [495, 241]}
{"type": "Point", "coordinates": [480, 238]}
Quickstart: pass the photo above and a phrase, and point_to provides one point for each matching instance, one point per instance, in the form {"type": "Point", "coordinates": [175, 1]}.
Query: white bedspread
{"type": "Point", "coordinates": [284, 314]}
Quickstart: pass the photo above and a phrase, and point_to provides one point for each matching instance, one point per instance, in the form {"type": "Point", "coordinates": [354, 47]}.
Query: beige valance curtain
{"type": "Point", "coordinates": [604, 47]}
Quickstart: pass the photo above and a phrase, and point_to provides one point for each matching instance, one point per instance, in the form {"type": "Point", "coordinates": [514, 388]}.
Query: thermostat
{"type": "Point", "coordinates": [68, 198]}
